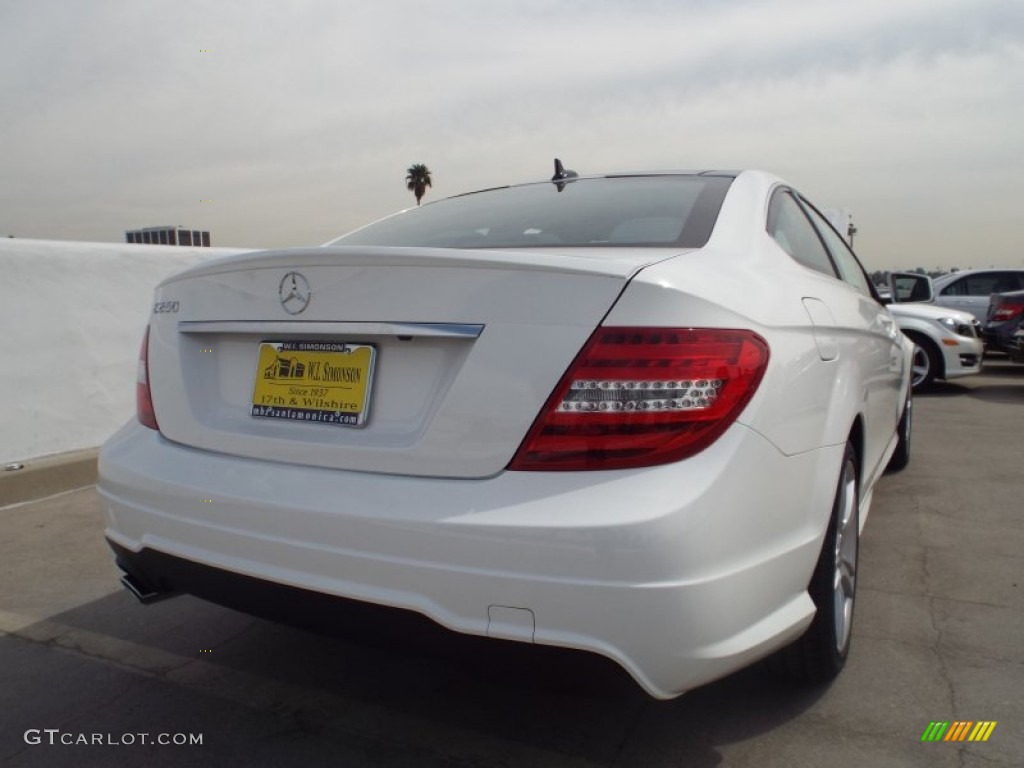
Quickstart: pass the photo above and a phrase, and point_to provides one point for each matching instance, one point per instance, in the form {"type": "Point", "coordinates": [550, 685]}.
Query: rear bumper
{"type": "Point", "coordinates": [1000, 337]}
{"type": "Point", "coordinates": [681, 573]}
{"type": "Point", "coordinates": [1016, 346]}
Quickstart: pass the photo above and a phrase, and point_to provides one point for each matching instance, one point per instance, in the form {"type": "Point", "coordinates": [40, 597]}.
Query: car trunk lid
{"type": "Point", "coordinates": [466, 346]}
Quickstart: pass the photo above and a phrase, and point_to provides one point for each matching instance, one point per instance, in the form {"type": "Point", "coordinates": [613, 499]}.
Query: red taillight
{"type": "Point", "coordinates": [636, 397]}
{"type": "Point", "coordinates": [143, 397]}
{"type": "Point", "coordinates": [1007, 310]}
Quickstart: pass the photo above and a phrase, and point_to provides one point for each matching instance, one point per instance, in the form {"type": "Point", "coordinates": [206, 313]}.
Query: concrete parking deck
{"type": "Point", "coordinates": [939, 636]}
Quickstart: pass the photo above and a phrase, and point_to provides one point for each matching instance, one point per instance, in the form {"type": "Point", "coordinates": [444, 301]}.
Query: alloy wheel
{"type": "Point", "coordinates": [921, 366]}
{"type": "Point", "coordinates": [844, 581]}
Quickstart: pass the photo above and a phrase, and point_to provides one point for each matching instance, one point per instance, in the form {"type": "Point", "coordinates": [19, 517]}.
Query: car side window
{"type": "Point", "coordinates": [1009, 281]}
{"type": "Point", "coordinates": [956, 288]}
{"type": "Point", "coordinates": [983, 285]}
{"type": "Point", "coordinates": [790, 228]}
{"type": "Point", "coordinates": [850, 268]}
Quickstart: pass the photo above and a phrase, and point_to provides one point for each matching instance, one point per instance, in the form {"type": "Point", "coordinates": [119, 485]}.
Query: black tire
{"type": "Point", "coordinates": [819, 655]}
{"type": "Point", "coordinates": [901, 456]}
{"type": "Point", "coordinates": [927, 363]}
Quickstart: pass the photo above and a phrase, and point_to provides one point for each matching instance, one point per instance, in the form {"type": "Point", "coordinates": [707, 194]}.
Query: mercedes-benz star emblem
{"type": "Point", "coordinates": [294, 293]}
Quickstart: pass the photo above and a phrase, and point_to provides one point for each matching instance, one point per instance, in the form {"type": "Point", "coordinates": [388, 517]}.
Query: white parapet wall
{"type": "Point", "coordinates": [71, 321]}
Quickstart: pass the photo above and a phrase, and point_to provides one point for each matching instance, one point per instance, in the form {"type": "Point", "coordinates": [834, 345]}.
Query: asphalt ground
{"type": "Point", "coordinates": [938, 636]}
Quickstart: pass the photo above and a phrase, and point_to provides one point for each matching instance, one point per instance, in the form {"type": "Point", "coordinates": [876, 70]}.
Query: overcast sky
{"type": "Point", "coordinates": [276, 123]}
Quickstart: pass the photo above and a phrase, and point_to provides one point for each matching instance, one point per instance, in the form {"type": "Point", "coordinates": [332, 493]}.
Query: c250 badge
{"type": "Point", "coordinates": [161, 307]}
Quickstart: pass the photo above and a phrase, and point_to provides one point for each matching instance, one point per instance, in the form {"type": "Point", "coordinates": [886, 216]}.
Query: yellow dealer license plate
{"type": "Point", "coordinates": [322, 382]}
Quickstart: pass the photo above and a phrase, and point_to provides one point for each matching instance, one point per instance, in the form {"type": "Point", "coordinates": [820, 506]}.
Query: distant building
{"type": "Point", "coordinates": [168, 236]}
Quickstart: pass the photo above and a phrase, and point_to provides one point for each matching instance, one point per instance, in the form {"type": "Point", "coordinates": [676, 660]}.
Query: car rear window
{"type": "Point", "coordinates": [645, 211]}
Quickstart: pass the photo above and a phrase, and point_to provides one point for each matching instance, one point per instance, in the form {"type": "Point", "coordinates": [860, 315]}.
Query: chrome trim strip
{"type": "Point", "coordinates": [306, 328]}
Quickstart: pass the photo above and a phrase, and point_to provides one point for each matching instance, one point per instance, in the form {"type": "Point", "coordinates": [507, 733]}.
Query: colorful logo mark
{"type": "Point", "coordinates": [958, 730]}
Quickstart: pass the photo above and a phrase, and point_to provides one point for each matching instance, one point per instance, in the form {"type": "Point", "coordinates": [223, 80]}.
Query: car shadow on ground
{"type": "Point", "coordinates": [939, 389]}
{"type": "Point", "coordinates": [1010, 392]}
{"type": "Point", "coordinates": [1002, 366]}
{"type": "Point", "coordinates": [374, 675]}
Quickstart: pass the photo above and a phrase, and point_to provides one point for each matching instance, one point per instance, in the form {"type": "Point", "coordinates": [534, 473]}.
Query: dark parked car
{"type": "Point", "coordinates": [1016, 347]}
{"type": "Point", "coordinates": [1005, 319]}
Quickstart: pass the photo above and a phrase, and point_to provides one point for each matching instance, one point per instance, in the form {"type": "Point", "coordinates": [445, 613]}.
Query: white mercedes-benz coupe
{"type": "Point", "coordinates": [640, 415]}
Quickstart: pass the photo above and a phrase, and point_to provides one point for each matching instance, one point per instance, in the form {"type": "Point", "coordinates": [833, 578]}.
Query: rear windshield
{"type": "Point", "coordinates": [647, 211]}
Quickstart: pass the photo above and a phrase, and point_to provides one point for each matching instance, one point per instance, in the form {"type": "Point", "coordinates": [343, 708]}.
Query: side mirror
{"type": "Point", "coordinates": [909, 287]}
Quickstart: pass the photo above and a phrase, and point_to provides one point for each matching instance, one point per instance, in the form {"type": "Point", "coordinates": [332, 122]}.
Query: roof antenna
{"type": "Point", "coordinates": [561, 173]}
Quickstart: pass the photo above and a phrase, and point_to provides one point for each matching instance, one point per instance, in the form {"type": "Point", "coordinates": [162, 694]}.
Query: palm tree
{"type": "Point", "coordinates": [417, 179]}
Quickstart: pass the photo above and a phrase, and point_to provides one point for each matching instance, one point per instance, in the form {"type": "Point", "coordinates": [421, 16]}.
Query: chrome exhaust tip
{"type": "Point", "coordinates": [142, 591]}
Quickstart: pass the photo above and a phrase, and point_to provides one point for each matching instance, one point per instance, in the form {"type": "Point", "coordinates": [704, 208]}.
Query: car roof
{"type": "Point", "coordinates": [945, 279]}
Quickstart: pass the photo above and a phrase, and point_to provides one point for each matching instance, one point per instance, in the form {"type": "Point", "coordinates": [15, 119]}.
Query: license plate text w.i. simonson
{"type": "Point", "coordinates": [323, 382]}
